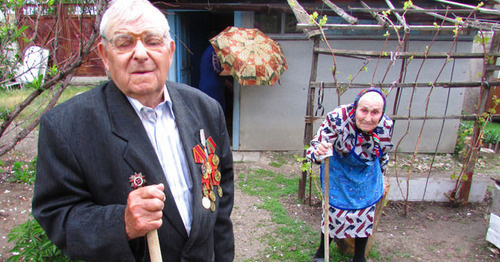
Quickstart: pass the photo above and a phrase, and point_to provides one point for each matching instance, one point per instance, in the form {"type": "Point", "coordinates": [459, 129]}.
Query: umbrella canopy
{"type": "Point", "coordinates": [251, 56]}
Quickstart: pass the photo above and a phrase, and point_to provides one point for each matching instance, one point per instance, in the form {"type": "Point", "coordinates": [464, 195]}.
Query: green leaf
{"type": "Point", "coordinates": [478, 6]}
{"type": "Point", "coordinates": [313, 17]}
{"type": "Point", "coordinates": [323, 20]}
{"type": "Point", "coordinates": [408, 4]}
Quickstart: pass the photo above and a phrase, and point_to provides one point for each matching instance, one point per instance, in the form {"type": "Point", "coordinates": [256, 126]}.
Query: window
{"type": "Point", "coordinates": [276, 23]}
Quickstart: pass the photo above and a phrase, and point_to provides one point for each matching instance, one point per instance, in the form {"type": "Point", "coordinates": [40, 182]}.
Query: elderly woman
{"type": "Point", "coordinates": [358, 136]}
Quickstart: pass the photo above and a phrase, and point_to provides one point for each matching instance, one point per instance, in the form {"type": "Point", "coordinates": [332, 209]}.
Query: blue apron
{"type": "Point", "coordinates": [354, 183]}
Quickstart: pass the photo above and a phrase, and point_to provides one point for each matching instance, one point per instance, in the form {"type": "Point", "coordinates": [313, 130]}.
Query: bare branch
{"type": "Point", "coordinates": [65, 74]}
{"type": "Point", "coordinates": [350, 19]}
{"type": "Point", "coordinates": [481, 9]}
{"type": "Point", "coordinates": [400, 18]}
{"type": "Point", "coordinates": [375, 15]}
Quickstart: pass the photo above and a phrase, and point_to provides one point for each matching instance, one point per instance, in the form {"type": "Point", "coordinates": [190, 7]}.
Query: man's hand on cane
{"type": "Point", "coordinates": [143, 213]}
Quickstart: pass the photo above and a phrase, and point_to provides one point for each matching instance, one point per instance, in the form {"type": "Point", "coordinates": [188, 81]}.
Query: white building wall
{"type": "Point", "coordinates": [272, 118]}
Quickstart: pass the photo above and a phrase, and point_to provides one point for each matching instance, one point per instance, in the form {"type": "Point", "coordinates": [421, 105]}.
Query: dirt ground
{"type": "Point", "coordinates": [430, 232]}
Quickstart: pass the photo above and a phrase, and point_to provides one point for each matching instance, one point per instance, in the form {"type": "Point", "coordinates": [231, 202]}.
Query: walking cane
{"type": "Point", "coordinates": [326, 205]}
{"type": "Point", "coordinates": [154, 246]}
{"type": "Point", "coordinates": [138, 180]}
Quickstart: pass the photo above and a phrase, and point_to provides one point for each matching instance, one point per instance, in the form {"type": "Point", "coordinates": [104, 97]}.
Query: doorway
{"type": "Point", "coordinates": [194, 30]}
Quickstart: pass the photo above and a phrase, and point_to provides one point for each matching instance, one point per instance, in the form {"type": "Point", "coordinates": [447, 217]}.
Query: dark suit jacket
{"type": "Point", "coordinates": [88, 148]}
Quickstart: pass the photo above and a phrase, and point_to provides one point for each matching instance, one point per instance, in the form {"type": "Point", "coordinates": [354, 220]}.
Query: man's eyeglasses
{"type": "Point", "coordinates": [125, 42]}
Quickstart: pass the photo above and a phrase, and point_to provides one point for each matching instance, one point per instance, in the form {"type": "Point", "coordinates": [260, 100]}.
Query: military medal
{"type": "Point", "coordinates": [208, 168]}
{"type": "Point", "coordinates": [204, 154]}
{"type": "Point", "coordinates": [215, 160]}
{"type": "Point", "coordinates": [217, 176]}
{"type": "Point", "coordinates": [206, 202]}
{"type": "Point", "coordinates": [137, 180]}
{"type": "Point", "coordinates": [203, 169]}
{"type": "Point", "coordinates": [212, 196]}
{"type": "Point", "coordinates": [212, 206]}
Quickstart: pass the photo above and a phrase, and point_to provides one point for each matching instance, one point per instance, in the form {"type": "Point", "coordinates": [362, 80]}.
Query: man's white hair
{"type": "Point", "coordinates": [126, 11]}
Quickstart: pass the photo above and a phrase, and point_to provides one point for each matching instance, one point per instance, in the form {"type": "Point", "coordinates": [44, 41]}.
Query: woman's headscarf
{"type": "Point", "coordinates": [352, 114]}
{"type": "Point", "coordinates": [370, 89]}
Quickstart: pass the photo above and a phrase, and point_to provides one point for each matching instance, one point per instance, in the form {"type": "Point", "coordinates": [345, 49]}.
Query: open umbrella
{"type": "Point", "coordinates": [251, 56]}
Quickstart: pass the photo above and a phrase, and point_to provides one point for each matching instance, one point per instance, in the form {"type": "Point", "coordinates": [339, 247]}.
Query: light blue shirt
{"type": "Point", "coordinates": [164, 136]}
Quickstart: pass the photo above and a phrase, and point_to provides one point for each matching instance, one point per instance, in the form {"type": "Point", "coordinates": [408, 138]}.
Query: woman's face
{"type": "Point", "coordinates": [369, 111]}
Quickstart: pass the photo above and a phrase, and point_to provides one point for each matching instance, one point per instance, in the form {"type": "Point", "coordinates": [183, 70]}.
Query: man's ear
{"type": "Point", "coordinates": [171, 52]}
{"type": "Point", "coordinates": [172, 46]}
{"type": "Point", "coordinates": [103, 53]}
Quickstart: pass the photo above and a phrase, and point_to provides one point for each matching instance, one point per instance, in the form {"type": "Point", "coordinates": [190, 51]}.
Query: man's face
{"type": "Point", "coordinates": [369, 111]}
{"type": "Point", "coordinates": [141, 72]}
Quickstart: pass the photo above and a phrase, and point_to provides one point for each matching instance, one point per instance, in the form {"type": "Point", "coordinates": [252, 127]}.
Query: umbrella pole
{"type": "Point", "coordinates": [326, 205]}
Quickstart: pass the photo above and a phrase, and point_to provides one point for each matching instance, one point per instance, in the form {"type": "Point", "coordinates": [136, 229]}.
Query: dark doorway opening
{"type": "Point", "coordinates": [201, 27]}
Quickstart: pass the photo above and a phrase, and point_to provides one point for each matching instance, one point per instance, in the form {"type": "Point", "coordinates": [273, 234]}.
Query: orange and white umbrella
{"type": "Point", "coordinates": [252, 57]}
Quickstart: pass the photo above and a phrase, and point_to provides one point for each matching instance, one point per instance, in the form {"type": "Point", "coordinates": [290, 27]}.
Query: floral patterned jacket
{"type": "Point", "coordinates": [339, 129]}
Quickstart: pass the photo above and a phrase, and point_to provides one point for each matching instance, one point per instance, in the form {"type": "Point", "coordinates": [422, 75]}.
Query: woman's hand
{"type": "Point", "coordinates": [323, 148]}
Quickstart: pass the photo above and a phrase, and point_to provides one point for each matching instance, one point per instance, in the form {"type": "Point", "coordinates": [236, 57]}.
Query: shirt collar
{"type": "Point", "coordinates": [165, 105]}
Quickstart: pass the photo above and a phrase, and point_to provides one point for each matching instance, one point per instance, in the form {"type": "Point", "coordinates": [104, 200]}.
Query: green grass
{"type": "Point", "coordinates": [291, 239]}
{"type": "Point", "coordinates": [491, 130]}
{"type": "Point", "coordinates": [10, 99]}
{"type": "Point", "coordinates": [280, 159]}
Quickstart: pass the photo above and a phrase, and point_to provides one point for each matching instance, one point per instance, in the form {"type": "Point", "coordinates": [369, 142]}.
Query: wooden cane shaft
{"type": "Point", "coordinates": [326, 212]}
{"type": "Point", "coordinates": [154, 246]}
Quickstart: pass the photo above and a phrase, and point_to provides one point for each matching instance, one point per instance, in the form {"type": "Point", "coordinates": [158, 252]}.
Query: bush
{"type": "Point", "coordinates": [31, 241]}
{"type": "Point", "coordinates": [464, 131]}
{"type": "Point", "coordinates": [490, 136]}
{"type": "Point", "coordinates": [24, 173]}
{"type": "Point", "coordinates": [32, 244]}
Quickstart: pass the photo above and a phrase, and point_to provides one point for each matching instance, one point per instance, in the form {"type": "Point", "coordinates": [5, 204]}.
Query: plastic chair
{"type": "Point", "coordinates": [35, 64]}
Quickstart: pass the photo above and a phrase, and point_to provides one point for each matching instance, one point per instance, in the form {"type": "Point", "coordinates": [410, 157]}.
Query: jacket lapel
{"type": "Point", "coordinates": [189, 125]}
{"type": "Point", "coordinates": [139, 152]}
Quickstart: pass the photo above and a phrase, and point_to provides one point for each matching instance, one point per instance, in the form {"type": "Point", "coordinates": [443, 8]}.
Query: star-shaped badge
{"type": "Point", "coordinates": [137, 180]}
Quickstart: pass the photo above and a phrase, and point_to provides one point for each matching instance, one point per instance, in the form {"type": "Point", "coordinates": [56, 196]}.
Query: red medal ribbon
{"type": "Point", "coordinates": [199, 154]}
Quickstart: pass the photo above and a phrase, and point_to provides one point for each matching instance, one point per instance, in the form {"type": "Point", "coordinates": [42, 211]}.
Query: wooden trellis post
{"type": "Point", "coordinates": [308, 129]}
{"type": "Point", "coordinates": [464, 191]}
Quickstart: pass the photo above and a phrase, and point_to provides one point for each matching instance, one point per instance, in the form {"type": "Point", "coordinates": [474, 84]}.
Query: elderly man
{"type": "Point", "coordinates": [96, 149]}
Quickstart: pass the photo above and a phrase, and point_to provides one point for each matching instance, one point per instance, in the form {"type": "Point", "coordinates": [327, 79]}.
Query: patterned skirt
{"type": "Point", "coordinates": [350, 223]}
